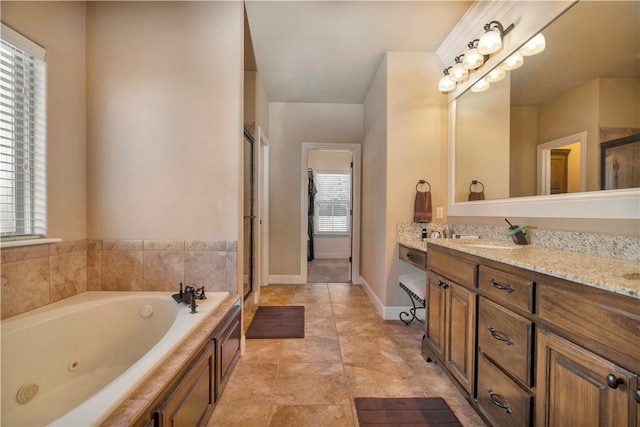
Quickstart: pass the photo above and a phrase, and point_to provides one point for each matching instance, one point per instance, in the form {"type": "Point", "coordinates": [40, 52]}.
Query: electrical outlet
{"type": "Point", "coordinates": [439, 213]}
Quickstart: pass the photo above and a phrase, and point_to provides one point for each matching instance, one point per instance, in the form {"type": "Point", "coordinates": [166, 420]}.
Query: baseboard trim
{"type": "Point", "coordinates": [286, 280]}
{"type": "Point", "coordinates": [332, 255]}
{"type": "Point", "coordinates": [386, 312]}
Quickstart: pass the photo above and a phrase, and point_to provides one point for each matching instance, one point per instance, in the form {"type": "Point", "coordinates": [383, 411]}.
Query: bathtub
{"type": "Point", "coordinates": [73, 362]}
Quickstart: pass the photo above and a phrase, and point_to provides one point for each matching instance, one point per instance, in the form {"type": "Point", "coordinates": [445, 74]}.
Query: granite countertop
{"type": "Point", "coordinates": [135, 405]}
{"type": "Point", "coordinates": [592, 270]}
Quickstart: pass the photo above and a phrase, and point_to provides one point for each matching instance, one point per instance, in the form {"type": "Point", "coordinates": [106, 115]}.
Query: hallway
{"type": "Point", "coordinates": [347, 352]}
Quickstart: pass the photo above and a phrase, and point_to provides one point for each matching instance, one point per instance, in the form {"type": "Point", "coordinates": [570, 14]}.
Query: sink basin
{"type": "Point", "coordinates": [490, 246]}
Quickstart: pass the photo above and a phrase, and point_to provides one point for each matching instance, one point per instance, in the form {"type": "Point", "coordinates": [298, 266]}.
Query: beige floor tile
{"type": "Point", "coordinates": [230, 415]}
{"type": "Point", "coordinates": [311, 349]}
{"type": "Point", "coordinates": [357, 349]}
{"type": "Point", "coordinates": [348, 351]}
{"type": "Point", "coordinates": [311, 416]}
{"type": "Point", "coordinates": [310, 383]}
{"type": "Point", "coordinates": [250, 383]}
{"type": "Point", "coordinates": [382, 380]}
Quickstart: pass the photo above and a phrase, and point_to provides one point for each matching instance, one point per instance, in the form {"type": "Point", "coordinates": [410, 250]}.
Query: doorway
{"type": "Point", "coordinates": [561, 165]}
{"type": "Point", "coordinates": [330, 213]}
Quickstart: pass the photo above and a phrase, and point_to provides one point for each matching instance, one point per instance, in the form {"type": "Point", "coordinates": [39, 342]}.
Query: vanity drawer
{"type": "Point", "coordinates": [501, 399]}
{"type": "Point", "coordinates": [414, 257]}
{"type": "Point", "coordinates": [506, 338]}
{"type": "Point", "coordinates": [457, 269]}
{"type": "Point", "coordinates": [506, 288]}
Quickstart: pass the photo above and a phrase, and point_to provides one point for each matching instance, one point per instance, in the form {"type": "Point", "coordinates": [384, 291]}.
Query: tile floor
{"type": "Point", "coordinates": [348, 351]}
{"type": "Point", "coordinates": [328, 270]}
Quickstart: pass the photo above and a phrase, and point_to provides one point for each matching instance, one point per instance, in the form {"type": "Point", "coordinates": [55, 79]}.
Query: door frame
{"type": "Point", "coordinates": [544, 161]}
{"type": "Point", "coordinates": [262, 213]}
{"type": "Point", "coordinates": [356, 157]}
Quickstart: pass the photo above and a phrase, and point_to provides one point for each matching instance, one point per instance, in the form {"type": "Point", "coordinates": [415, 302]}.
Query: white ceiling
{"type": "Point", "coordinates": [329, 51]}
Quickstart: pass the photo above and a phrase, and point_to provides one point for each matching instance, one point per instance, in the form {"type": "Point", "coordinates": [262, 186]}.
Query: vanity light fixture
{"type": "Point", "coordinates": [472, 58]}
{"type": "Point", "coordinates": [446, 84]}
{"type": "Point", "coordinates": [534, 46]}
{"type": "Point", "coordinates": [512, 62]}
{"type": "Point", "coordinates": [481, 86]}
{"type": "Point", "coordinates": [491, 40]}
{"type": "Point", "coordinates": [495, 75]}
{"type": "Point", "coordinates": [458, 72]}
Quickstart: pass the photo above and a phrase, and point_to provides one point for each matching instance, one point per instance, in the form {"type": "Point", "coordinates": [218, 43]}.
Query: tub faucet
{"type": "Point", "coordinates": [188, 295]}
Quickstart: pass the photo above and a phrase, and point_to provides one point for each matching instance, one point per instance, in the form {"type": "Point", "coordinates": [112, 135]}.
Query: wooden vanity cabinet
{"type": "Point", "coordinates": [451, 320]}
{"type": "Point", "coordinates": [191, 400]}
{"type": "Point", "coordinates": [543, 352]}
{"type": "Point", "coordinates": [578, 387]}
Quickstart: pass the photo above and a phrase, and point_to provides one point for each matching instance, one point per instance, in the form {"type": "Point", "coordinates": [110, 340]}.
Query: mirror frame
{"type": "Point", "coordinates": [602, 204]}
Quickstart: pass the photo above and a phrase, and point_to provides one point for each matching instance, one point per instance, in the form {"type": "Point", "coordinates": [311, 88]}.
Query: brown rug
{"type": "Point", "coordinates": [277, 321]}
{"type": "Point", "coordinates": [405, 411]}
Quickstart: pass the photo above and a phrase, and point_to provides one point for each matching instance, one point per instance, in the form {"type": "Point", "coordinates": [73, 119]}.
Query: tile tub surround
{"type": "Point", "coordinates": [607, 245]}
{"type": "Point", "coordinates": [33, 276]}
{"type": "Point", "coordinates": [597, 271]}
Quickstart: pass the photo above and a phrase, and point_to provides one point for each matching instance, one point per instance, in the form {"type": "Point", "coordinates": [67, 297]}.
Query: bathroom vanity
{"type": "Point", "coordinates": [536, 336]}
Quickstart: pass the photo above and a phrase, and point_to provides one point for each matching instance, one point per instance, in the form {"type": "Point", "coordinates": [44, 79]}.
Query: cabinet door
{"type": "Point", "coordinates": [435, 312]}
{"type": "Point", "coordinates": [577, 387]}
{"type": "Point", "coordinates": [191, 402]}
{"type": "Point", "coordinates": [228, 343]}
{"type": "Point", "coordinates": [460, 328]}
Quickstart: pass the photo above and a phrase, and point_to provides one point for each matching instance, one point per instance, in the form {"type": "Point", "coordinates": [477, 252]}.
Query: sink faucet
{"type": "Point", "coordinates": [517, 233]}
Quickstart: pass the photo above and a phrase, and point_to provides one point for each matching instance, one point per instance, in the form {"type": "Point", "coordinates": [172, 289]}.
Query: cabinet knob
{"type": "Point", "coordinates": [613, 381]}
{"type": "Point", "coordinates": [636, 395]}
{"type": "Point", "coordinates": [497, 400]}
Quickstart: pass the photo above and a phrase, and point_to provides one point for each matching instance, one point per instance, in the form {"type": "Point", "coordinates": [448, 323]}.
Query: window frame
{"type": "Point", "coordinates": [317, 202]}
{"type": "Point", "coordinates": [24, 137]}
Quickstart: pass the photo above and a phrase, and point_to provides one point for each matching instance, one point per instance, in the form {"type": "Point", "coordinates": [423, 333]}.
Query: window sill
{"type": "Point", "coordinates": [28, 242]}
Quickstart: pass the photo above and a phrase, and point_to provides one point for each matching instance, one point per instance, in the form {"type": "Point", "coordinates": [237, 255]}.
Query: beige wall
{"type": "Point", "coordinates": [59, 27]}
{"type": "Point", "coordinates": [482, 141]}
{"type": "Point", "coordinates": [290, 125]}
{"type": "Point", "coordinates": [164, 116]}
{"type": "Point", "coordinates": [523, 151]}
{"type": "Point", "coordinates": [374, 183]}
{"type": "Point", "coordinates": [405, 141]}
{"type": "Point", "coordinates": [619, 103]}
{"type": "Point", "coordinates": [416, 149]}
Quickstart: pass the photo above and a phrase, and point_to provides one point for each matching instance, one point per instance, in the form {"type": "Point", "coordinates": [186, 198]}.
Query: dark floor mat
{"type": "Point", "coordinates": [405, 411]}
{"type": "Point", "coordinates": [277, 321]}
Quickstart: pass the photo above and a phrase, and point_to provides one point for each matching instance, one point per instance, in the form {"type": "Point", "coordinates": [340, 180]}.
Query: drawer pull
{"type": "Point", "coordinates": [613, 381]}
{"type": "Point", "coordinates": [500, 337]}
{"type": "Point", "coordinates": [497, 285]}
{"type": "Point", "coordinates": [636, 395]}
{"type": "Point", "coordinates": [410, 255]}
{"type": "Point", "coordinates": [496, 400]}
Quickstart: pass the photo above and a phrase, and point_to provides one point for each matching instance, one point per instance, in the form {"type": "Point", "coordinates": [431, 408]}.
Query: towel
{"type": "Point", "coordinates": [476, 195]}
{"type": "Point", "coordinates": [422, 207]}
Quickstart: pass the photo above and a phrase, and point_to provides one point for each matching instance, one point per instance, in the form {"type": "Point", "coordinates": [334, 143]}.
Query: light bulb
{"type": "Point", "coordinates": [514, 61]}
{"type": "Point", "coordinates": [495, 75]}
{"type": "Point", "coordinates": [472, 59]}
{"type": "Point", "coordinates": [481, 86]}
{"type": "Point", "coordinates": [536, 45]}
{"type": "Point", "coordinates": [490, 42]}
{"type": "Point", "coordinates": [458, 73]}
{"type": "Point", "coordinates": [446, 84]}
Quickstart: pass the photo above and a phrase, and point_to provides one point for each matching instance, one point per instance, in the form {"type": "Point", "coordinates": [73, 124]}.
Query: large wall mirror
{"type": "Point", "coordinates": [540, 133]}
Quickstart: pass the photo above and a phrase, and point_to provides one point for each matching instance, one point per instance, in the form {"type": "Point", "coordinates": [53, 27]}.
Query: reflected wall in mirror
{"type": "Point", "coordinates": [586, 82]}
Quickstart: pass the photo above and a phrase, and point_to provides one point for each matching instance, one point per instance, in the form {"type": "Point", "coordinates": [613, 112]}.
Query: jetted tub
{"type": "Point", "coordinates": [71, 363]}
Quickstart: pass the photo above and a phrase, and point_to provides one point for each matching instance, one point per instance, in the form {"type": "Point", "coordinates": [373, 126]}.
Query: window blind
{"type": "Point", "coordinates": [22, 136]}
{"type": "Point", "coordinates": [333, 203]}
